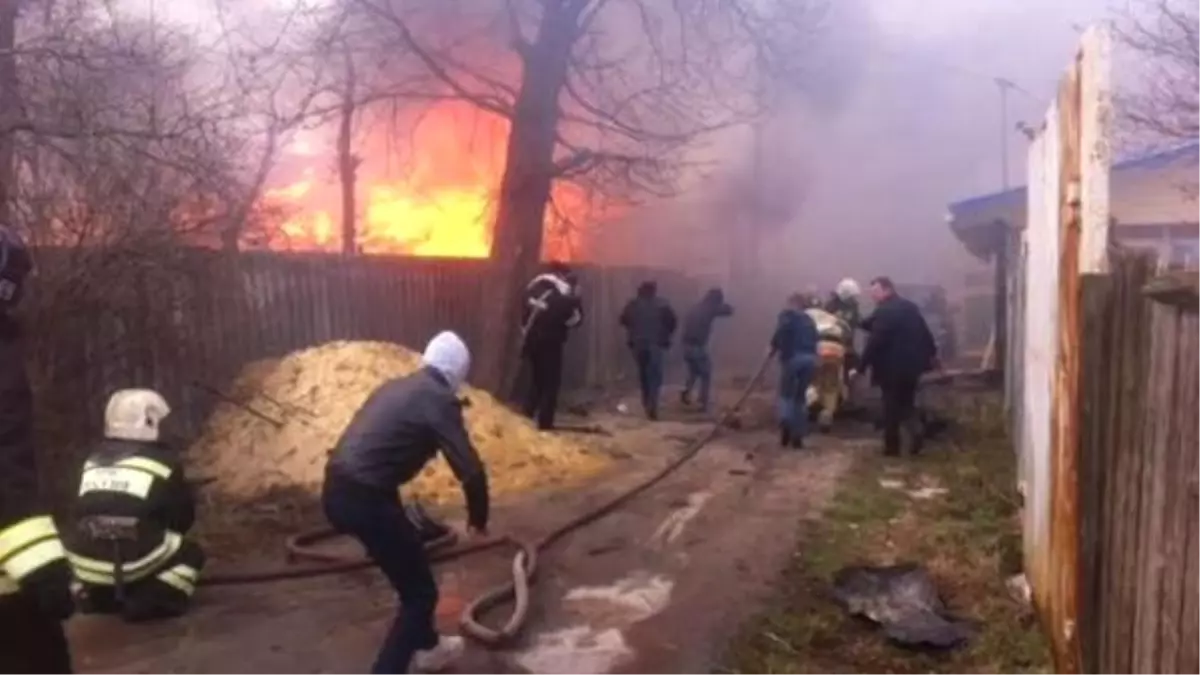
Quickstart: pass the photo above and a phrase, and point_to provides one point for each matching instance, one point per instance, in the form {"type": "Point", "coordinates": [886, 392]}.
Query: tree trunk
{"type": "Point", "coordinates": [9, 106]}
{"type": "Point", "coordinates": [348, 163]}
{"type": "Point", "coordinates": [524, 192]}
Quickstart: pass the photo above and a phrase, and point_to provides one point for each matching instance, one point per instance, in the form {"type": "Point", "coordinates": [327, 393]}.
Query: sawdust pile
{"type": "Point", "coordinates": [315, 392]}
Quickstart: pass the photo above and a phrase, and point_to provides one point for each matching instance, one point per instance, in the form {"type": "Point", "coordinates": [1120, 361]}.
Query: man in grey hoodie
{"type": "Point", "coordinates": [395, 433]}
{"type": "Point", "coordinates": [697, 328]}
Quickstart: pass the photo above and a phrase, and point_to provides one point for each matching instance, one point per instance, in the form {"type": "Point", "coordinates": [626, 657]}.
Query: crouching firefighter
{"type": "Point", "coordinates": [134, 507]}
{"type": "Point", "coordinates": [35, 579]}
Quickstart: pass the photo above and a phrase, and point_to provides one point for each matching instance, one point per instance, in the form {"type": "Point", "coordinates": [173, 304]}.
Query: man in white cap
{"type": "Point", "coordinates": [395, 433]}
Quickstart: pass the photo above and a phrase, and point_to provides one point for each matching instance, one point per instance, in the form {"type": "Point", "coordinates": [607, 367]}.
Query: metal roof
{"type": "Point", "coordinates": [1015, 197]}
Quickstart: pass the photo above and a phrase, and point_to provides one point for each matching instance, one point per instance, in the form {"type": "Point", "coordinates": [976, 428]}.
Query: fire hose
{"type": "Point", "coordinates": [525, 561]}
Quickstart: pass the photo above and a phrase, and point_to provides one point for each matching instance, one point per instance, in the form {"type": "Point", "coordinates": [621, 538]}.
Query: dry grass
{"type": "Point", "coordinates": [968, 537]}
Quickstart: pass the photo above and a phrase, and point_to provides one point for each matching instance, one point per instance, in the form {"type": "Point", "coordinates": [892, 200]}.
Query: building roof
{"type": "Point", "coordinates": [971, 218]}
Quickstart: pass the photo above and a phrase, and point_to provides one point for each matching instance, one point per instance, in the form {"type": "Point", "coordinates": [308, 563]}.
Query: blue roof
{"type": "Point", "coordinates": [1016, 196]}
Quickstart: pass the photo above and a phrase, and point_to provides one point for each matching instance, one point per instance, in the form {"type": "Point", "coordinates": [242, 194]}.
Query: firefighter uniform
{"type": "Point", "coordinates": [829, 385]}
{"type": "Point", "coordinates": [128, 547]}
{"type": "Point", "coordinates": [552, 309]}
{"type": "Point", "coordinates": [35, 580]}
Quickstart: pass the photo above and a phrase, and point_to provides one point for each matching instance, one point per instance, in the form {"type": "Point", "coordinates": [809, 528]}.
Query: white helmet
{"type": "Point", "coordinates": [847, 289]}
{"type": "Point", "coordinates": [135, 415]}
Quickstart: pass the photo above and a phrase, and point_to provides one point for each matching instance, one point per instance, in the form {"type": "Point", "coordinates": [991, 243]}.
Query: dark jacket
{"type": "Point", "coordinates": [24, 513]}
{"type": "Point", "coordinates": [550, 311]}
{"type": "Point", "coordinates": [900, 345]}
{"type": "Point", "coordinates": [649, 322]}
{"type": "Point", "coordinates": [697, 323]}
{"type": "Point", "coordinates": [135, 480]}
{"type": "Point", "coordinates": [399, 428]}
{"type": "Point", "coordinates": [795, 333]}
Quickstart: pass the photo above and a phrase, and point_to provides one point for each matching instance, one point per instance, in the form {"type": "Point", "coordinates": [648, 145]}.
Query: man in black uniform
{"type": "Point", "coordinates": [400, 427]}
{"type": "Point", "coordinates": [130, 518]}
{"type": "Point", "coordinates": [35, 579]}
{"type": "Point", "coordinates": [899, 350]}
{"type": "Point", "coordinates": [552, 309]}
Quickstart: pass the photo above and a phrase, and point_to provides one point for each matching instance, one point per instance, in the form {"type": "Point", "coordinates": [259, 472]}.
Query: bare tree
{"type": "Point", "coordinates": [1163, 36]}
{"type": "Point", "coordinates": [612, 94]}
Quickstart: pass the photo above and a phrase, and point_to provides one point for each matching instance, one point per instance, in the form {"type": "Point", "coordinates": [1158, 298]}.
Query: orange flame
{"type": "Point", "coordinates": [442, 204]}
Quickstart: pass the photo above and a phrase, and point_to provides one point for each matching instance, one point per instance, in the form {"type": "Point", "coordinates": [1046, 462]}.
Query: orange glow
{"type": "Point", "coordinates": [440, 203]}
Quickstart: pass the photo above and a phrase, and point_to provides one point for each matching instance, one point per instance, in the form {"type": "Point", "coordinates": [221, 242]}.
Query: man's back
{"type": "Point", "coordinates": [649, 320]}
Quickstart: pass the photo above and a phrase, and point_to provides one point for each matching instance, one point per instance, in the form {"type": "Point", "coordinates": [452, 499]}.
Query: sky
{"type": "Point", "coordinates": [923, 129]}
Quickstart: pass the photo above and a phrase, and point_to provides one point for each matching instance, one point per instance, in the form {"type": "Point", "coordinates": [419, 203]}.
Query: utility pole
{"type": "Point", "coordinates": [1004, 85]}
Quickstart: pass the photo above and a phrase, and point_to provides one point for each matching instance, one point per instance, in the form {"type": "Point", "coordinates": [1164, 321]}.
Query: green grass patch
{"type": "Point", "coordinates": [966, 531]}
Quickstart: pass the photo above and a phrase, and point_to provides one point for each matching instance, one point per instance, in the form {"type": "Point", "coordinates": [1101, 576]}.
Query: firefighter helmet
{"type": "Point", "coordinates": [135, 415]}
{"type": "Point", "coordinates": [847, 289]}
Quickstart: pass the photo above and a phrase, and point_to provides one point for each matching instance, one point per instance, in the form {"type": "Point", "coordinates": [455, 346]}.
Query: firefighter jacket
{"type": "Point", "coordinates": [31, 553]}
{"type": "Point", "coordinates": [134, 480]}
{"type": "Point", "coordinates": [551, 310]}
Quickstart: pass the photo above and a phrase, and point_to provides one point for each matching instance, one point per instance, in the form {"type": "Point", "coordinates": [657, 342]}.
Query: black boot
{"type": "Point", "coordinates": [685, 397]}
{"type": "Point", "coordinates": [798, 442]}
{"type": "Point", "coordinates": [785, 436]}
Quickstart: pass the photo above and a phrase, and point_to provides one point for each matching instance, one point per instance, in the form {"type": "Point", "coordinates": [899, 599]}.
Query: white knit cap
{"type": "Point", "coordinates": [447, 353]}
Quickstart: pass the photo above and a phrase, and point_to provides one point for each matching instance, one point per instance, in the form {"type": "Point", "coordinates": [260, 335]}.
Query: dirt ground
{"type": "Point", "coordinates": [657, 587]}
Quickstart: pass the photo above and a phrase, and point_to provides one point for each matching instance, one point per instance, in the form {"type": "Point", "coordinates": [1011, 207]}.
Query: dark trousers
{"type": "Point", "coordinates": [376, 518]}
{"type": "Point", "coordinates": [899, 412]}
{"type": "Point", "coordinates": [699, 370]}
{"type": "Point", "coordinates": [164, 595]}
{"type": "Point", "coordinates": [795, 376]}
{"type": "Point", "coordinates": [33, 642]}
{"type": "Point", "coordinates": [650, 376]}
{"type": "Point", "coordinates": [545, 379]}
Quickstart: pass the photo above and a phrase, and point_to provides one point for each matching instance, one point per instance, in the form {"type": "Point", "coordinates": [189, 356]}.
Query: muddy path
{"type": "Point", "coordinates": [655, 587]}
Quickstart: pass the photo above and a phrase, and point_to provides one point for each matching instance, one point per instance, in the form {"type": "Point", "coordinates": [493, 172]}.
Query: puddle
{"type": "Point", "coordinates": [597, 643]}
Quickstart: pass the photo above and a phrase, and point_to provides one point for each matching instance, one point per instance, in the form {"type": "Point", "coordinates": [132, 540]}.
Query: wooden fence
{"type": "Point", "coordinates": [1138, 472]}
{"type": "Point", "coordinates": [193, 324]}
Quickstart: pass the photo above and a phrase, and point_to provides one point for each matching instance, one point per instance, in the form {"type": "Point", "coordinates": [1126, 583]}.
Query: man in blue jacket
{"type": "Point", "coordinates": [697, 328]}
{"type": "Point", "coordinates": [795, 343]}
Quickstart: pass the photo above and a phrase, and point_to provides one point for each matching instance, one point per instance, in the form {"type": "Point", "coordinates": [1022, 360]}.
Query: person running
{"type": "Point", "coordinates": [697, 328]}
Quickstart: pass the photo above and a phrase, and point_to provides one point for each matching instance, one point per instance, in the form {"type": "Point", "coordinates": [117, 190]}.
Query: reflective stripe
{"type": "Point", "coordinates": [24, 533]}
{"type": "Point", "coordinates": [146, 464]}
{"type": "Point", "coordinates": [32, 558]}
{"type": "Point", "coordinates": [29, 546]}
{"type": "Point", "coordinates": [153, 466]}
{"type": "Point", "coordinates": [8, 585]}
{"type": "Point", "coordinates": [116, 479]}
{"type": "Point", "coordinates": [181, 577]}
{"type": "Point", "coordinates": [102, 571]}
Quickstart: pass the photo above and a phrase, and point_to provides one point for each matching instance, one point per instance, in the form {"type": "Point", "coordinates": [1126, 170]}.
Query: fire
{"type": "Point", "coordinates": [441, 204]}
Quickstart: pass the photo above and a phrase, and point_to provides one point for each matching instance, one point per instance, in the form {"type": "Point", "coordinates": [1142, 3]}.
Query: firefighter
{"type": "Point", "coordinates": [35, 579]}
{"type": "Point", "coordinates": [829, 384]}
{"type": "Point", "coordinates": [552, 309]}
{"type": "Point", "coordinates": [134, 508]}
{"type": "Point", "coordinates": [395, 433]}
